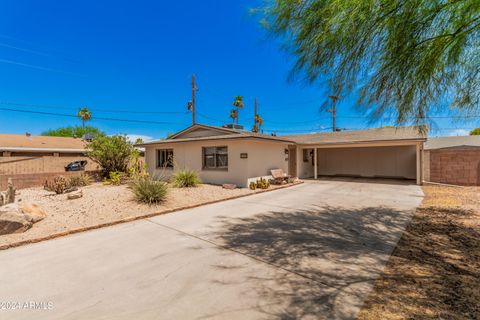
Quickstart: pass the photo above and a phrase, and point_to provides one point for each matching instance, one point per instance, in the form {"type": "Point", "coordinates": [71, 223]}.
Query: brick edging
{"type": "Point", "coordinates": [130, 219]}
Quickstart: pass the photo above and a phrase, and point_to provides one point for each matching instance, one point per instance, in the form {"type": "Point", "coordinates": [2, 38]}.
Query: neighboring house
{"type": "Point", "coordinates": [226, 155]}
{"type": "Point", "coordinates": [452, 160]}
{"type": "Point", "coordinates": [30, 160]}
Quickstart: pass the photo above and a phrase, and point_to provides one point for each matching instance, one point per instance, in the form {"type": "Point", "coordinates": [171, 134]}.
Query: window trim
{"type": "Point", "coordinates": [157, 155]}
{"type": "Point", "coordinates": [204, 168]}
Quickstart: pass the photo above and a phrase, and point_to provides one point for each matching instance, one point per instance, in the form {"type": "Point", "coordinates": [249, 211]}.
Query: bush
{"type": "Point", "coordinates": [186, 178]}
{"type": "Point", "coordinates": [59, 185]}
{"type": "Point", "coordinates": [114, 177]}
{"type": "Point", "coordinates": [111, 153]}
{"type": "Point", "coordinates": [80, 181]}
{"type": "Point", "coordinates": [263, 183]}
{"type": "Point", "coordinates": [148, 190]}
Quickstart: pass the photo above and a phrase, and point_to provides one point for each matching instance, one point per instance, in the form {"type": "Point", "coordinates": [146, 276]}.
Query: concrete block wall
{"type": "Point", "coordinates": [455, 166]}
{"type": "Point", "coordinates": [28, 180]}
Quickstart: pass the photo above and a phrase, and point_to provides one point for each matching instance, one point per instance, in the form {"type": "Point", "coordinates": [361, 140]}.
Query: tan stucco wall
{"type": "Point", "coordinates": [262, 157]}
{"type": "Point", "coordinates": [426, 165]}
{"type": "Point", "coordinates": [40, 164]}
{"type": "Point", "coordinates": [397, 161]}
{"type": "Point", "coordinates": [304, 169]}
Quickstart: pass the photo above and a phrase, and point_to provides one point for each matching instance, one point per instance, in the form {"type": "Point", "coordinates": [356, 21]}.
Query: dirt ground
{"type": "Point", "coordinates": [434, 272]}
{"type": "Point", "coordinates": [104, 204]}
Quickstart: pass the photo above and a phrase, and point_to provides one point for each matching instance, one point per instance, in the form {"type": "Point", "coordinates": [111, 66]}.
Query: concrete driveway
{"type": "Point", "coordinates": [311, 251]}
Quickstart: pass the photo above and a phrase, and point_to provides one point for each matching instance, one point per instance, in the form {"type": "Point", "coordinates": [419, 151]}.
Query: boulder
{"type": "Point", "coordinates": [13, 220]}
{"type": "Point", "coordinates": [229, 186]}
{"type": "Point", "coordinates": [16, 218]}
{"type": "Point", "coordinates": [75, 195]}
{"type": "Point", "coordinates": [33, 212]}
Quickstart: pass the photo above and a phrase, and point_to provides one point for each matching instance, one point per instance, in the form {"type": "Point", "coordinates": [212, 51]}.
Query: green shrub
{"type": "Point", "coordinates": [80, 181]}
{"type": "Point", "coordinates": [252, 185]}
{"type": "Point", "coordinates": [186, 178]}
{"type": "Point", "coordinates": [59, 185]}
{"type": "Point", "coordinates": [263, 183]}
{"type": "Point", "coordinates": [111, 153]}
{"type": "Point", "coordinates": [148, 190]}
{"type": "Point", "coordinates": [114, 177]}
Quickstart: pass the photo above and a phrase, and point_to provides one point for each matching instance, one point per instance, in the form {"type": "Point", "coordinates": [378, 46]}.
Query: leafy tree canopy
{"type": "Point", "coordinates": [76, 132]}
{"type": "Point", "coordinates": [404, 56]}
{"type": "Point", "coordinates": [475, 132]}
{"type": "Point", "coordinates": [113, 153]}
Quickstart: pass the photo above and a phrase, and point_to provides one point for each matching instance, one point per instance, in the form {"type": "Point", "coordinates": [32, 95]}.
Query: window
{"type": "Point", "coordinates": [215, 158]}
{"type": "Point", "coordinates": [165, 158]}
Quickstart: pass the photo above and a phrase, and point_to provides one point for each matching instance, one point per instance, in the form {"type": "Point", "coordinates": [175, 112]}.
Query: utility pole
{"type": "Point", "coordinates": [333, 111]}
{"type": "Point", "coordinates": [255, 115]}
{"type": "Point", "coordinates": [191, 104]}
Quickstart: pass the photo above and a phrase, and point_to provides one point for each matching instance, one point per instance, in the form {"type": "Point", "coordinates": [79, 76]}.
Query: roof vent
{"type": "Point", "coordinates": [233, 126]}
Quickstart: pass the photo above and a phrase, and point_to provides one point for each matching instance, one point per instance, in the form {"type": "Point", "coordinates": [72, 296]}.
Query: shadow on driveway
{"type": "Point", "coordinates": [332, 256]}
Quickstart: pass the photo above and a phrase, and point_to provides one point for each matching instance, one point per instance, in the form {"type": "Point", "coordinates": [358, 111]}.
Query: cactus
{"type": "Point", "coordinates": [59, 185]}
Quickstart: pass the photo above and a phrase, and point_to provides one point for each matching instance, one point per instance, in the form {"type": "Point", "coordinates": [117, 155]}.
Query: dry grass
{"type": "Point", "coordinates": [434, 272]}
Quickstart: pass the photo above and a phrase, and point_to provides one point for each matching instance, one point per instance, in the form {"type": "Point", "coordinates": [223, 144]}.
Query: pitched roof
{"type": "Point", "coordinates": [224, 133]}
{"type": "Point", "coordinates": [452, 142]}
{"type": "Point", "coordinates": [356, 136]}
{"type": "Point", "coordinates": [21, 142]}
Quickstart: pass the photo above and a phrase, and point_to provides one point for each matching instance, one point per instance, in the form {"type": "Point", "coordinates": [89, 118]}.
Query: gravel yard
{"type": "Point", "coordinates": [433, 272]}
{"type": "Point", "coordinates": [103, 204]}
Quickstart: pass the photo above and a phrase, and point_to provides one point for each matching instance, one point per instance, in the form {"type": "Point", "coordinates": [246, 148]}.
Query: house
{"type": "Point", "coordinates": [452, 160]}
{"type": "Point", "coordinates": [30, 160]}
{"type": "Point", "coordinates": [229, 155]}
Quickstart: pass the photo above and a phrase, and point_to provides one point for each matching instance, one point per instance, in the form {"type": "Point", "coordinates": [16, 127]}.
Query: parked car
{"type": "Point", "coordinates": [76, 165]}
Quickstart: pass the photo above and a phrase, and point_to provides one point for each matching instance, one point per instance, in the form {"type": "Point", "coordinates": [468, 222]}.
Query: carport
{"type": "Point", "coordinates": [374, 153]}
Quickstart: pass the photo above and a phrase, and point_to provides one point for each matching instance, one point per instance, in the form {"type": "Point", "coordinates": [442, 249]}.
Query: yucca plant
{"type": "Point", "coordinates": [186, 178]}
{"type": "Point", "coordinates": [149, 191]}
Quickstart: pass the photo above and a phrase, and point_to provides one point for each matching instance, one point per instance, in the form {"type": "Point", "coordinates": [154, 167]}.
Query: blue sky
{"type": "Point", "coordinates": [120, 56]}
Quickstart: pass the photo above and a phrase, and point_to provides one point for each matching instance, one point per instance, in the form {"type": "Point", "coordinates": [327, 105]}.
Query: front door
{"type": "Point", "coordinates": [292, 161]}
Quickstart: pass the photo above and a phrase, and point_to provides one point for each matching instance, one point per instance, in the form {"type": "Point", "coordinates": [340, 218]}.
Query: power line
{"type": "Point", "coordinates": [93, 110]}
{"type": "Point", "coordinates": [93, 118]}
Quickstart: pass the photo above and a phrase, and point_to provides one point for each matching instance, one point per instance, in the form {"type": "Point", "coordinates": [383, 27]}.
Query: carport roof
{"type": "Point", "coordinates": [357, 136]}
{"type": "Point", "coordinates": [452, 142]}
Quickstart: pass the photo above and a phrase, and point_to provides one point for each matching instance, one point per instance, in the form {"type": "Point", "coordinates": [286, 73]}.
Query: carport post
{"type": "Point", "coordinates": [419, 163]}
{"type": "Point", "coordinates": [315, 164]}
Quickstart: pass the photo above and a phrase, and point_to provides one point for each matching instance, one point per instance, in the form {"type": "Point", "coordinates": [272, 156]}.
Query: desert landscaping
{"type": "Point", "coordinates": [103, 205]}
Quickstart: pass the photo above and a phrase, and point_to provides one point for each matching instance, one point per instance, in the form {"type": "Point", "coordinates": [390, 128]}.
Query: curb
{"type": "Point", "coordinates": [130, 219]}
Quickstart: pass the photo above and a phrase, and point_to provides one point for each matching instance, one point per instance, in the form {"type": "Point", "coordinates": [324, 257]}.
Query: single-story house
{"type": "Point", "coordinates": [452, 160]}
{"type": "Point", "coordinates": [30, 160]}
{"type": "Point", "coordinates": [228, 155]}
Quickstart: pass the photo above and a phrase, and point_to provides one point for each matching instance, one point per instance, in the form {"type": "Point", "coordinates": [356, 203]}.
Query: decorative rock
{"type": "Point", "coordinates": [229, 186]}
{"type": "Point", "coordinates": [33, 212]}
{"type": "Point", "coordinates": [13, 220]}
{"type": "Point", "coordinates": [75, 195]}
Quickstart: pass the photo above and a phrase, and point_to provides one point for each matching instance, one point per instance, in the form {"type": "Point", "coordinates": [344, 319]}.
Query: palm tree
{"type": "Point", "coordinates": [85, 115]}
{"type": "Point", "coordinates": [258, 123]}
{"type": "Point", "coordinates": [237, 103]}
{"type": "Point", "coordinates": [234, 115]}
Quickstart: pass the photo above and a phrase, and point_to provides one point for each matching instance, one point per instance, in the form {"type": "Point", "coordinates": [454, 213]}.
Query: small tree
{"type": "Point", "coordinates": [475, 132]}
{"type": "Point", "coordinates": [85, 115]}
{"type": "Point", "coordinates": [111, 153]}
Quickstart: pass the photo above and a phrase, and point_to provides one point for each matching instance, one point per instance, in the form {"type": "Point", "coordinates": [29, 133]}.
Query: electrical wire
{"type": "Point", "coordinates": [93, 110]}
{"type": "Point", "coordinates": [93, 118]}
